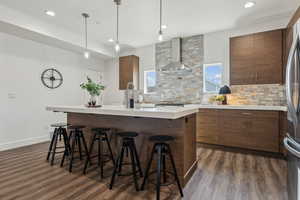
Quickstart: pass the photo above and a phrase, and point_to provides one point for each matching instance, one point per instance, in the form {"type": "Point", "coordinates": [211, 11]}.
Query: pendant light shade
{"type": "Point", "coordinates": [86, 53]}
{"type": "Point", "coordinates": [117, 44]}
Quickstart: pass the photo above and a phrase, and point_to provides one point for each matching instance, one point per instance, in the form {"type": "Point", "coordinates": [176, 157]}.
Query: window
{"type": "Point", "coordinates": [149, 81]}
{"type": "Point", "coordinates": [212, 77]}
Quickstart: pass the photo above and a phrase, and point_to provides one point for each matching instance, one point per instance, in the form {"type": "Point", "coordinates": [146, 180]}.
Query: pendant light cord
{"type": "Point", "coordinates": [117, 23]}
{"type": "Point", "coordinates": [86, 33]}
{"type": "Point", "coordinates": [160, 20]}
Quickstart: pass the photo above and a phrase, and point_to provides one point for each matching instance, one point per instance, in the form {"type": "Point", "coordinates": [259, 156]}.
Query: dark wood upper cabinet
{"type": "Point", "coordinates": [257, 58]}
{"type": "Point", "coordinates": [128, 71]}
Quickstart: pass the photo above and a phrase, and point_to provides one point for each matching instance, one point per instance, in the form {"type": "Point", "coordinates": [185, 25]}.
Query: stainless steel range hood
{"type": "Point", "coordinates": [176, 63]}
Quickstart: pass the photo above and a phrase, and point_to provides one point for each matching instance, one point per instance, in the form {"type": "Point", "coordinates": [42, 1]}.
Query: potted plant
{"type": "Point", "coordinates": [94, 90]}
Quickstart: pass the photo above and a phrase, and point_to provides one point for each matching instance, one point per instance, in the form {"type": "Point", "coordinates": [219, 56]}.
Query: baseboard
{"type": "Point", "coordinates": [21, 143]}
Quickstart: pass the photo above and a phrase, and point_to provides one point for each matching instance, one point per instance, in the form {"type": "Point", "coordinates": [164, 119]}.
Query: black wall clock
{"type": "Point", "coordinates": [52, 78]}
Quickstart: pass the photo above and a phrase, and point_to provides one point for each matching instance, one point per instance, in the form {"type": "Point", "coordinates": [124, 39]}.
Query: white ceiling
{"type": "Point", "coordinates": [139, 19]}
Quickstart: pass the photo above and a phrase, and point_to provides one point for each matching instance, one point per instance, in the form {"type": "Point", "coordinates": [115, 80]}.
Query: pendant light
{"type": "Point", "coordinates": [117, 45]}
{"type": "Point", "coordinates": [86, 52]}
{"type": "Point", "coordinates": [160, 33]}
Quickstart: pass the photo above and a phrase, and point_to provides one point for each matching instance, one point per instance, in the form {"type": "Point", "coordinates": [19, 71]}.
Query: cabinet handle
{"type": "Point", "coordinates": [256, 76]}
{"type": "Point", "coordinates": [246, 113]}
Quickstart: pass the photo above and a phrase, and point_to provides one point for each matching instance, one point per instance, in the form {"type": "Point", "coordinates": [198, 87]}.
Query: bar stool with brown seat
{"type": "Point", "coordinates": [100, 136]}
{"type": "Point", "coordinates": [162, 149]}
{"type": "Point", "coordinates": [59, 131]}
{"type": "Point", "coordinates": [128, 145]}
{"type": "Point", "coordinates": [76, 137]}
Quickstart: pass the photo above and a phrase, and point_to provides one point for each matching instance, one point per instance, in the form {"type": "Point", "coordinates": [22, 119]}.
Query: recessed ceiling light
{"type": "Point", "coordinates": [164, 26]}
{"type": "Point", "coordinates": [249, 4]}
{"type": "Point", "coordinates": [111, 40]}
{"type": "Point", "coordinates": [50, 13]}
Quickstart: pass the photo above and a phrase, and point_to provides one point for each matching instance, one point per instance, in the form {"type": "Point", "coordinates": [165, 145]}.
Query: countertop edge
{"type": "Point", "coordinates": [244, 107]}
{"type": "Point", "coordinates": [129, 113]}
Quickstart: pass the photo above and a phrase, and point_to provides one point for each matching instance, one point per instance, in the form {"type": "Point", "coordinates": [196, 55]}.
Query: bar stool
{"type": "Point", "coordinates": [162, 149]}
{"type": "Point", "coordinates": [59, 131]}
{"type": "Point", "coordinates": [128, 145]}
{"type": "Point", "coordinates": [100, 135]}
{"type": "Point", "coordinates": [76, 137]}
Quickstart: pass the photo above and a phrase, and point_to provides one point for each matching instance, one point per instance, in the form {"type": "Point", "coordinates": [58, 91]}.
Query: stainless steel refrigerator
{"type": "Point", "coordinates": [292, 139]}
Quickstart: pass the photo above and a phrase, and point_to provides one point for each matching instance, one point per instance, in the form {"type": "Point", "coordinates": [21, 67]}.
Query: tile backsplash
{"type": "Point", "coordinates": [267, 95]}
{"type": "Point", "coordinates": [270, 94]}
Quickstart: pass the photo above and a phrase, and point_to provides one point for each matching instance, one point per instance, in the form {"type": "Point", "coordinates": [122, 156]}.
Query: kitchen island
{"type": "Point", "coordinates": [179, 122]}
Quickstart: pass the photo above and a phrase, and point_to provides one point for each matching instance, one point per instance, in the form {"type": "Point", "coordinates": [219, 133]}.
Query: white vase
{"type": "Point", "coordinates": [92, 100]}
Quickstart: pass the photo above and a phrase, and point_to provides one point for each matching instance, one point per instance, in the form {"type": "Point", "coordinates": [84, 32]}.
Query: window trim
{"type": "Point", "coordinates": [204, 73]}
{"type": "Point", "coordinates": [145, 81]}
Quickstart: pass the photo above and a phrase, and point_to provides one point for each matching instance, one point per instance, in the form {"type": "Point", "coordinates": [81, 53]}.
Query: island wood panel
{"type": "Point", "coordinates": [183, 129]}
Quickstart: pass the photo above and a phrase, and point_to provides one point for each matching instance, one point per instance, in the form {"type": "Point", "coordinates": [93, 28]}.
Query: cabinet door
{"type": "Point", "coordinates": [125, 72]}
{"type": "Point", "coordinates": [128, 71]}
{"type": "Point", "coordinates": [257, 58]}
{"type": "Point", "coordinates": [207, 126]}
{"type": "Point", "coordinates": [268, 57]}
{"type": "Point", "coordinates": [257, 130]}
{"type": "Point", "coordinates": [241, 60]}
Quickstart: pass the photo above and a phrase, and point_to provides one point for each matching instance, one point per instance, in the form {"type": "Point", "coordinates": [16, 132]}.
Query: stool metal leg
{"type": "Point", "coordinates": [78, 135]}
{"type": "Point", "coordinates": [109, 148]}
{"type": "Point", "coordinates": [158, 172]}
{"type": "Point", "coordinates": [90, 153]}
{"type": "Point", "coordinates": [174, 169]}
{"type": "Point", "coordinates": [100, 159]}
{"type": "Point", "coordinates": [124, 149]}
{"type": "Point", "coordinates": [69, 148]}
{"type": "Point", "coordinates": [65, 139]}
{"type": "Point", "coordinates": [137, 160]}
{"type": "Point", "coordinates": [116, 168]}
{"type": "Point", "coordinates": [164, 168]}
{"type": "Point", "coordinates": [72, 153]}
{"type": "Point", "coordinates": [148, 167]}
{"type": "Point", "coordinates": [133, 164]}
{"type": "Point", "coordinates": [55, 144]}
{"type": "Point", "coordinates": [51, 144]}
{"type": "Point", "coordinates": [85, 147]}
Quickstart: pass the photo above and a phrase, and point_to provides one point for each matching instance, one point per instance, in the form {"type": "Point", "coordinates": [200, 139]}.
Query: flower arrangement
{"type": "Point", "coordinates": [218, 98]}
{"type": "Point", "coordinates": [94, 89]}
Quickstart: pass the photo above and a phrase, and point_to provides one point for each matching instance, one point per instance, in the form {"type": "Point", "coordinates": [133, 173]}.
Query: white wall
{"type": "Point", "coordinates": [23, 98]}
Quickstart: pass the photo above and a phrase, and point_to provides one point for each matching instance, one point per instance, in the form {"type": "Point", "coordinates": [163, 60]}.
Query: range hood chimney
{"type": "Point", "coordinates": [176, 61]}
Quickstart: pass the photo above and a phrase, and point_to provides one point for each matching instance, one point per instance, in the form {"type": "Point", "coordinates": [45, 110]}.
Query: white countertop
{"type": "Point", "coordinates": [170, 112]}
{"type": "Point", "coordinates": [244, 107]}
{"type": "Point", "coordinates": [158, 112]}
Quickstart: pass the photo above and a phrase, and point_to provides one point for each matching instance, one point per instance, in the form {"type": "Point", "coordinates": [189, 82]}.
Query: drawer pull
{"type": "Point", "coordinates": [246, 113]}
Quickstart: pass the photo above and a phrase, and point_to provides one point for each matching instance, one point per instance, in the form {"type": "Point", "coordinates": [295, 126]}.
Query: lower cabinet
{"type": "Point", "coordinates": [256, 130]}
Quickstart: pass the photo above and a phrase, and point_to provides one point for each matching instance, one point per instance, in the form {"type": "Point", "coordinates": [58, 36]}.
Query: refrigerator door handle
{"type": "Point", "coordinates": [287, 141]}
{"type": "Point", "coordinates": [288, 79]}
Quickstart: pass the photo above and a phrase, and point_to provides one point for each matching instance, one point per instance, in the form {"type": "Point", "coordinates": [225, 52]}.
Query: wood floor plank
{"type": "Point", "coordinates": [25, 175]}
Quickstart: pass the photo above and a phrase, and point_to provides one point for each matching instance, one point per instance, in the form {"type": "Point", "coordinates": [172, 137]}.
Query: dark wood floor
{"type": "Point", "coordinates": [24, 174]}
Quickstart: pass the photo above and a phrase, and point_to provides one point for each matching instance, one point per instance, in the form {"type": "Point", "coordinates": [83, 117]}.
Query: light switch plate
{"type": "Point", "coordinates": [12, 95]}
